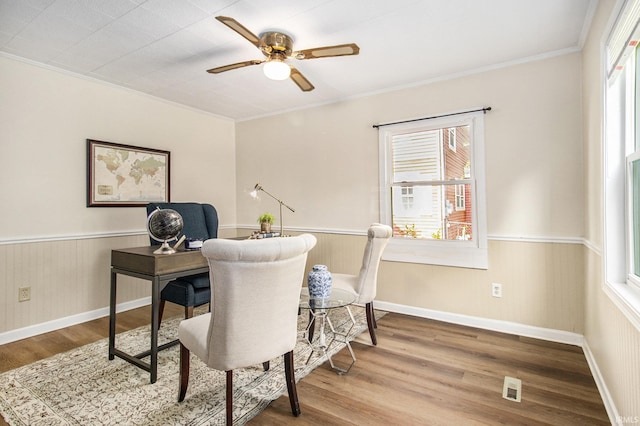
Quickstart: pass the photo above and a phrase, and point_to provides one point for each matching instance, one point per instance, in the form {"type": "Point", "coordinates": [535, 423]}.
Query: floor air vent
{"type": "Point", "coordinates": [512, 389]}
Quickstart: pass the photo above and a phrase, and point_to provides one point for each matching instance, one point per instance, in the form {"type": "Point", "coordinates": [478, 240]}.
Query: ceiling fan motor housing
{"type": "Point", "coordinates": [276, 42]}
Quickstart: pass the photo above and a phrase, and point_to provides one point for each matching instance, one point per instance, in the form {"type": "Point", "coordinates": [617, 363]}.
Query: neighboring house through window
{"type": "Point", "coordinates": [432, 181]}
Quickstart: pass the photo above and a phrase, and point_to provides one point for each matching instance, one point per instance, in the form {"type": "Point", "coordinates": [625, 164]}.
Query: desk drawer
{"type": "Point", "coordinates": [142, 260]}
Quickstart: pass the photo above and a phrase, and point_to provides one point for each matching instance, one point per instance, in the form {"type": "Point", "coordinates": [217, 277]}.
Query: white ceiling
{"type": "Point", "coordinates": [164, 47]}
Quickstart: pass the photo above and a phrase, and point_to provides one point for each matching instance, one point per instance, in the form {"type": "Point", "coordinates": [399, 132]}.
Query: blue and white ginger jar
{"type": "Point", "coordinates": [319, 282]}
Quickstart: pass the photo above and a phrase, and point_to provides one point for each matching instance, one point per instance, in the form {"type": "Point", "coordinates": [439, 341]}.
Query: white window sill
{"type": "Point", "coordinates": [445, 253]}
{"type": "Point", "coordinates": [627, 299]}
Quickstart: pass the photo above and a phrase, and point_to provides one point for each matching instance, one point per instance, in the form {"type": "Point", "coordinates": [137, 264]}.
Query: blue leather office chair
{"type": "Point", "coordinates": [201, 223]}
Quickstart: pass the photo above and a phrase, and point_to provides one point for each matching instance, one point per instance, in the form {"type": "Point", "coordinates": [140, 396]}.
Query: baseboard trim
{"type": "Point", "coordinates": [485, 323]}
{"type": "Point", "coordinates": [612, 411]}
{"type": "Point", "coordinates": [45, 327]}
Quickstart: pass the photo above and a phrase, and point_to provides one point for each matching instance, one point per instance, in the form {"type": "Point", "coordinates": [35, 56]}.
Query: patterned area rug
{"type": "Point", "coordinates": [82, 387]}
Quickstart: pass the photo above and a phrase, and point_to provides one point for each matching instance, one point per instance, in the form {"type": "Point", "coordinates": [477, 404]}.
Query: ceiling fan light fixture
{"type": "Point", "coordinates": [275, 69]}
{"type": "Point", "coordinates": [277, 47]}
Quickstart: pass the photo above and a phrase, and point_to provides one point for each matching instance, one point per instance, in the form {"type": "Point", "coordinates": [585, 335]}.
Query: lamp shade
{"type": "Point", "coordinates": [275, 69]}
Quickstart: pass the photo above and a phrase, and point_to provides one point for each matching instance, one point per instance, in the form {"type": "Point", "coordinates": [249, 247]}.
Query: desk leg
{"type": "Point", "coordinates": [112, 316]}
{"type": "Point", "coordinates": [155, 320]}
{"type": "Point", "coordinates": [157, 283]}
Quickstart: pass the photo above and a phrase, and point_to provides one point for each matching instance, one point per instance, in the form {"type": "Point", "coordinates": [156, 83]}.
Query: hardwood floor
{"type": "Point", "coordinates": [422, 372]}
{"type": "Point", "coordinates": [425, 372]}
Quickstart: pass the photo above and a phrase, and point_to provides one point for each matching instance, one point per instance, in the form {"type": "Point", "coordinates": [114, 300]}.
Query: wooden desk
{"type": "Point", "coordinates": [141, 262]}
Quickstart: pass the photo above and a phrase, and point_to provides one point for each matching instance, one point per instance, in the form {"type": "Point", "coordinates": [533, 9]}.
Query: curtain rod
{"type": "Point", "coordinates": [484, 111]}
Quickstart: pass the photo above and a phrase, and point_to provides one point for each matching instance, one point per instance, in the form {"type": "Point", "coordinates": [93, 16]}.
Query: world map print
{"type": "Point", "coordinates": [124, 175]}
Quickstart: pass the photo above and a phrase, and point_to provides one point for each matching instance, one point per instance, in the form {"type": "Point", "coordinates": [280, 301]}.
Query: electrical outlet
{"type": "Point", "coordinates": [24, 294]}
{"type": "Point", "coordinates": [496, 290]}
{"type": "Point", "coordinates": [512, 389]}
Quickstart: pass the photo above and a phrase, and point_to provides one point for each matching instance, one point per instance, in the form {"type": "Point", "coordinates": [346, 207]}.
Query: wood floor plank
{"type": "Point", "coordinates": [446, 374]}
{"type": "Point", "coordinates": [422, 372]}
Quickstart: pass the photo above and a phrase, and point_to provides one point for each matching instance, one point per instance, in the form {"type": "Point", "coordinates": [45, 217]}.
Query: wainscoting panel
{"type": "Point", "coordinates": [542, 281]}
{"type": "Point", "coordinates": [66, 277]}
{"type": "Point", "coordinates": [614, 343]}
{"type": "Point", "coordinates": [542, 285]}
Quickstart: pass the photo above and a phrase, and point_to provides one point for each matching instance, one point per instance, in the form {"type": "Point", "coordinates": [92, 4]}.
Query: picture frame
{"type": "Point", "coordinates": [121, 175]}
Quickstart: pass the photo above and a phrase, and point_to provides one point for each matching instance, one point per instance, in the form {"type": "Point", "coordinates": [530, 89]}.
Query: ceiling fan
{"type": "Point", "coordinates": [278, 47]}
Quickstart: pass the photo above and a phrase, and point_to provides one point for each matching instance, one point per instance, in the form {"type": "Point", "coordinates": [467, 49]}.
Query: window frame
{"type": "Point", "coordinates": [621, 129]}
{"type": "Point", "coordinates": [633, 278]}
{"type": "Point", "coordinates": [472, 253]}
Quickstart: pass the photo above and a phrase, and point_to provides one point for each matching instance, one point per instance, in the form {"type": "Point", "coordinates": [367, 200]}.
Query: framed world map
{"type": "Point", "coordinates": [126, 176]}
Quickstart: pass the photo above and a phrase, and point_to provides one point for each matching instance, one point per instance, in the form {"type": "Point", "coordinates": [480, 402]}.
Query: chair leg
{"type": "Point", "coordinates": [188, 312]}
{"type": "Point", "coordinates": [373, 315]}
{"type": "Point", "coordinates": [184, 371]}
{"type": "Point", "coordinates": [229, 398]}
{"type": "Point", "coordinates": [160, 312]}
{"type": "Point", "coordinates": [289, 372]}
{"type": "Point", "coordinates": [266, 366]}
{"type": "Point", "coordinates": [371, 322]}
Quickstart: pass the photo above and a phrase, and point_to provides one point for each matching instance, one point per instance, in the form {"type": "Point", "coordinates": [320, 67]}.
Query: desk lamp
{"type": "Point", "coordinates": [254, 194]}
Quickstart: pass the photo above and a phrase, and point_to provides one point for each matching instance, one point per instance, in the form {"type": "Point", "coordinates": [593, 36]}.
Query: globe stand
{"type": "Point", "coordinates": [164, 225]}
{"type": "Point", "coordinates": [165, 248]}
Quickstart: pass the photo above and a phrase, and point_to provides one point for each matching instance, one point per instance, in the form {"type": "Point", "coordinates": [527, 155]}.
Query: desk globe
{"type": "Point", "coordinates": [164, 225]}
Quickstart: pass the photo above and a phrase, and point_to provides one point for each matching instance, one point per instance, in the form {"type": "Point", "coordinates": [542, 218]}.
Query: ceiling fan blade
{"type": "Point", "coordinates": [240, 29]}
{"type": "Point", "coordinates": [327, 51]}
{"type": "Point", "coordinates": [234, 66]}
{"type": "Point", "coordinates": [301, 80]}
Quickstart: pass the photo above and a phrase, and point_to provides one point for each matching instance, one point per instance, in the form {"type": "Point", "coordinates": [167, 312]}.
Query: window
{"type": "Point", "coordinates": [432, 182]}
{"type": "Point", "coordinates": [622, 163]}
{"type": "Point", "coordinates": [407, 197]}
{"type": "Point", "coordinates": [460, 197]}
{"type": "Point", "coordinates": [452, 138]}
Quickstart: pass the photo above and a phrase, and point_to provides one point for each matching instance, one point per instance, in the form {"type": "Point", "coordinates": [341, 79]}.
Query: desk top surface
{"type": "Point", "coordinates": [149, 251]}
{"type": "Point", "coordinates": [142, 260]}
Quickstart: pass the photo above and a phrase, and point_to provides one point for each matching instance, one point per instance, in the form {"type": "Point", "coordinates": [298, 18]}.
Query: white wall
{"type": "Point", "coordinates": [46, 117]}
{"type": "Point", "coordinates": [324, 161]}
{"type": "Point", "coordinates": [49, 240]}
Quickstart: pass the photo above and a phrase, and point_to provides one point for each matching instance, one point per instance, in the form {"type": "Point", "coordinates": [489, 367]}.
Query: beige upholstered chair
{"type": "Point", "coordinates": [364, 284]}
{"type": "Point", "coordinates": [256, 291]}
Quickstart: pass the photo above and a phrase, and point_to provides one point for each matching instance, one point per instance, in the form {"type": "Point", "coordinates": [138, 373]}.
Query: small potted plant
{"type": "Point", "coordinates": [266, 220]}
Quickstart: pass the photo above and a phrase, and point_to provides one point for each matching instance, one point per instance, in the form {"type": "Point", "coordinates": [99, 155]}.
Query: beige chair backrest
{"type": "Point", "coordinates": [256, 291]}
{"type": "Point", "coordinates": [378, 236]}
